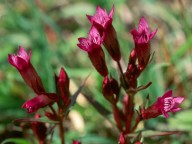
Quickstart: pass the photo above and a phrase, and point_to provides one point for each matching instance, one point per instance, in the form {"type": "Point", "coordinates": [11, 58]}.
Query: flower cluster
{"type": "Point", "coordinates": [21, 61]}
{"type": "Point", "coordinates": [103, 32]}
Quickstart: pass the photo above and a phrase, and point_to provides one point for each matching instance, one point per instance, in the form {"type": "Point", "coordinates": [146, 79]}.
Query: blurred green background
{"type": "Point", "coordinates": [51, 29]}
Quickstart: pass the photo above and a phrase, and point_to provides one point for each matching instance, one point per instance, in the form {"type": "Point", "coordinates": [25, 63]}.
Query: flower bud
{"type": "Point", "coordinates": [62, 86]}
{"type": "Point", "coordinates": [110, 89]}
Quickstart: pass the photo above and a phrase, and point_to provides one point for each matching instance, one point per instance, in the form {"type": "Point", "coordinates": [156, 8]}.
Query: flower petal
{"type": "Point", "coordinates": [178, 99]}
{"type": "Point", "coordinates": [143, 25]}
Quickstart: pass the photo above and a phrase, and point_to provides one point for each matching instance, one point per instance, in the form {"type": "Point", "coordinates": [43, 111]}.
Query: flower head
{"type": "Point", "coordinates": [39, 101]}
{"type": "Point", "coordinates": [163, 105]}
{"type": "Point", "coordinates": [168, 103]}
{"type": "Point", "coordinates": [101, 19]}
{"type": "Point", "coordinates": [93, 41]}
{"type": "Point", "coordinates": [21, 61]}
{"type": "Point", "coordinates": [92, 45]}
{"type": "Point", "coordinates": [142, 38]}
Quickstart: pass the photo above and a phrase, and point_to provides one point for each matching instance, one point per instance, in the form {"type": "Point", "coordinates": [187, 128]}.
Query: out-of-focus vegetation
{"type": "Point", "coordinates": [51, 28]}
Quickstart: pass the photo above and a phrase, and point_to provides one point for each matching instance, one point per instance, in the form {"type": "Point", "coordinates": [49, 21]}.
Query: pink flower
{"type": "Point", "coordinates": [92, 45]}
{"type": "Point", "coordinates": [63, 87]}
{"type": "Point", "coordinates": [163, 105]}
{"type": "Point", "coordinates": [101, 19]}
{"type": "Point", "coordinates": [103, 22]}
{"type": "Point", "coordinates": [39, 101]}
{"type": "Point", "coordinates": [142, 38]}
{"type": "Point", "coordinates": [22, 62]}
{"type": "Point", "coordinates": [168, 103]}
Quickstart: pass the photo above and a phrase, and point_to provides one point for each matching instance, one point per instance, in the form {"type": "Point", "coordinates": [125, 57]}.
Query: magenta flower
{"type": "Point", "coordinates": [101, 19]}
{"type": "Point", "coordinates": [142, 38]}
{"type": "Point", "coordinates": [103, 22]}
{"type": "Point", "coordinates": [92, 45]}
{"type": "Point", "coordinates": [22, 62]}
{"type": "Point", "coordinates": [168, 103]}
{"type": "Point", "coordinates": [63, 87]}
{"type": "Point", "coordinates": [163, 105]}
{"type": "Point", "coordinates": [39, 101]}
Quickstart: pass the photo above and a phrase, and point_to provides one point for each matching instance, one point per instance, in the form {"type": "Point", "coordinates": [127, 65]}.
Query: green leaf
{"type": "Point", "coordinates": [74, 97]}
{"type": "Point", "coordinates": [42, 119]}
{"type": "Point", "coordinates": [15, 141]}
{"type": "Point", "coordinates": [94, 139]}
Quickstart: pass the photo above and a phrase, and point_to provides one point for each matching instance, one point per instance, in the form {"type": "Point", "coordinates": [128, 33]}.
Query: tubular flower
{"type": "Point", "coordinates": [142, 38]}
{"type": "Point", "coordinates": [21, 61]}
{"type": "Point", "coordinates": [163, 105]}
{"type": "Point", "coordinates": [92, 45]}
{"type": "Point", "coordinates": [63, 87]}
{"type": "Point", "coordinates": [101, 19]}
{"type": "Point", "coordinates": [103, 22]}
{"type": "Point", "coordinates": [39, 101]}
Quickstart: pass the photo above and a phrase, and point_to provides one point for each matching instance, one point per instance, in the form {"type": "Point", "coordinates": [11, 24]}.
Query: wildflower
{"type": "Point", "coordinates": [21, 61]}
{"type": "Point", "coordinates": [163, 105]}
{"type": "Point", "coordinates": [103, 22]}
{"type": "Point", "coordinates": [92, 45]}
{"type": "Point", "coordinates": [142, 38]}
{"type": "Point", "coordinates": [101, 19]}
{"type": "Point", "coordinates": [39, 101]}
{"type": "Point", "coordinates": [63, 87]}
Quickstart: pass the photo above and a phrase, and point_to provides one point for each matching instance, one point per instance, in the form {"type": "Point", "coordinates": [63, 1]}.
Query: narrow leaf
{"type": "Point", "coordinates": [15, 141]}
{"type": "Point", "coordinates": [42, 119]}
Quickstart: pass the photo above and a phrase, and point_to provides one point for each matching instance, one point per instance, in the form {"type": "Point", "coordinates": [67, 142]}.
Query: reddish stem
{"type": "Point", "coordinates": [61, 128]}
{"type": "Point", "coordinates": [129, 113]}
{"type": "Point", "coordinates": [118, 117]}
